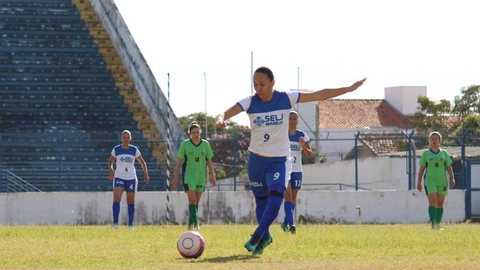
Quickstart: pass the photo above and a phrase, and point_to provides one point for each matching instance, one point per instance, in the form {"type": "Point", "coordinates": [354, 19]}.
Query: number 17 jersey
{"type": "Point", "coordinates": [269, 123]}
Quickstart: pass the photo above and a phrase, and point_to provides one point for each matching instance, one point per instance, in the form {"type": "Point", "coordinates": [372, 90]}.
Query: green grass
{"type": "Point", "coordinates": [313, 247]}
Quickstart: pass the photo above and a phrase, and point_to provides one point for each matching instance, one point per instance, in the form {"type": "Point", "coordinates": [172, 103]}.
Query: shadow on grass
{"type": "Point", "coordinates": [223, 259]}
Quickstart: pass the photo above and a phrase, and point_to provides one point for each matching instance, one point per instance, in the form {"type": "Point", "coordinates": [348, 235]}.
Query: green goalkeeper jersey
{"type": "Point", "coordinates": [436, 165]}
{"type": "Point", "coordinates": [195, 160]}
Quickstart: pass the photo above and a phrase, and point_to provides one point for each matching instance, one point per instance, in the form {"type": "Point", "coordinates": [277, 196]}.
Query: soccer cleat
{"type": "Point", "coordinates": [285, 227]}
{"type": "Point", "coordinates": [251, 244]}
{"type": "Point", "coordinates": [190, 227]}
{"type": "Point", "coordinates": [196, 227]}
{"type": "Point", "coordinates": [131, 227]}
{"type": "Point", "coordinates": [262, 245]}
{"type": "Point", "coordinates": [115, 226]}
{"type": "Point", "coordinates": [293, 229]}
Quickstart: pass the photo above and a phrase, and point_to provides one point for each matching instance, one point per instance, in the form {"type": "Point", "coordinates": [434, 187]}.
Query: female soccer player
{"type": "Point", "coordinates": [298, 144]}
{"type": "Point", "coordinates": [433, 164]}
{"type": "Point", "coordinates": [124, 176]}
{"type": "Point", "coordinates": [268, 162]}
{"type": "Point", "coordinates": [196, 155]}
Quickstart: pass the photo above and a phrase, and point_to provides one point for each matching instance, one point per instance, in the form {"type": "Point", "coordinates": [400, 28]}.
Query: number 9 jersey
{"type": "Point", "coordinates": [269, 123]}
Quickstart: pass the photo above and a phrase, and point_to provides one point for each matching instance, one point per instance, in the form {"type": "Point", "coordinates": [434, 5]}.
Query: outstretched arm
{"type": "Point", "coordinates": [329, 93]}
{"type": "Point", "coordinates": [221, 121]}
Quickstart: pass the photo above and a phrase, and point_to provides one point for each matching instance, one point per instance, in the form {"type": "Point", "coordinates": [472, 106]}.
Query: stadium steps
{"type": "Point", "coordinates": [62, 107]}
{"type": "Point", "coordinates": [121, 77]}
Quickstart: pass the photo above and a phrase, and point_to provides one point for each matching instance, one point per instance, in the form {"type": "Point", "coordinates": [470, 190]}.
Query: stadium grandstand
{"type": "Point", "coordinates": [71, 79]}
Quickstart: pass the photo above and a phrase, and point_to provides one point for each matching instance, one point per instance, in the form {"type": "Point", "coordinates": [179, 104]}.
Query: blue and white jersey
{"type": "Point", "coordinates": [125, 161]}
{"type": "Point", "coordinates": [296, 149]}
{"type": "Point", "coordinates": [269, 123]}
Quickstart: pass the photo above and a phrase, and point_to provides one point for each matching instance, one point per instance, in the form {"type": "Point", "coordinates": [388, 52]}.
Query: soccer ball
{"type": "Point", "coordinates": [191, 244]}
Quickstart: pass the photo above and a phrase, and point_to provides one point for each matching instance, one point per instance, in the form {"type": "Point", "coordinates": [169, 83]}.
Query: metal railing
{"type": "Point", "coordinates": [14, 183]}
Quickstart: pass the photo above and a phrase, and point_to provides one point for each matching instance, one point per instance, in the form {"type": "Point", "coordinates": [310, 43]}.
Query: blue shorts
{"type": "Point", "coordinates": [127, 185]}
{"type": "Point", "coordinates": [267, 174]}
{"type": "Point", "coordinates": [296, 180]}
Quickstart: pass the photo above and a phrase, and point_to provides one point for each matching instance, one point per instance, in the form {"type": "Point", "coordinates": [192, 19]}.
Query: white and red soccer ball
{"type": "Point", "coordinates": [191, 244]}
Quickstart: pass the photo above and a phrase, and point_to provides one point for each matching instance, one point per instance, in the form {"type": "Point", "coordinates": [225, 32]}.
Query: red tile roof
{"type": "Point", "coordinates": [383, 143]}
{"type": "Point", "coordinates": [359, 113]}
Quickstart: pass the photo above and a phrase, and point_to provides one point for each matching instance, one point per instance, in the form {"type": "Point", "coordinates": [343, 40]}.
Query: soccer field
{"type": "Point", "coordinates": [313, 247]}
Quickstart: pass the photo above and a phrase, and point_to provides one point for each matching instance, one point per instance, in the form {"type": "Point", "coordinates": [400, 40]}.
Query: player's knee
{"type": "Point", "coordinates": [276, 193]}
{"type": "Point", "coordinates": [261, 198]}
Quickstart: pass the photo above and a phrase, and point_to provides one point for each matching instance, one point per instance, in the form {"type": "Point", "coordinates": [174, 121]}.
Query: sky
{"type": "Point", "coordinates": [207, 46]}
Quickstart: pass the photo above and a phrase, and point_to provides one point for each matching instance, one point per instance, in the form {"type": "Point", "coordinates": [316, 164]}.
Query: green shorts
{"type": "Point", "coordinates": [194, 187]}
{"type": "Point", "coordinates": [436, 188]}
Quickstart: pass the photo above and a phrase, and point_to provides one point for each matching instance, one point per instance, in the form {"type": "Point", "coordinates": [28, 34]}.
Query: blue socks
{"type": "Point", "coordinates": [260, 205]}
{"type": "Point", "coordinates": [116, 211]}
{"type": "Point", "coordinates": [269, 215]}
{"type": "Point", "coordinates": [288, 207]}
{"type": "Point", "coordinates": [131, 214]}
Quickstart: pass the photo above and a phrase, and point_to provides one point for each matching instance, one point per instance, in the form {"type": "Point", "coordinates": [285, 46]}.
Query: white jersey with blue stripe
{"type": "Point", "coordinates": [296, 149]}
{"type": "Point", "coordinates": [269, 123]}
{"type": "Point", "coordinates": [125, 161]}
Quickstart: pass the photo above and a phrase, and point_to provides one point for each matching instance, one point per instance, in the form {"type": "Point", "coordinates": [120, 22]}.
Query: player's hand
{"type": "Point", "coordinates": [213, 179]}
{"type": "Point", "coordinates": [452, 183]}
{"type": "Point", "coordinates": [357, 84]}
{"type": "Point", "coordinates": [146, 178]}
{"type": "Point", "coordinates": [419, 187]}
{"type": "Point", "coordinates": [175, 182]}
{"type": "Point", "coordinates": [301, 141]}
{"type": "Point", "coordinates": [221, 124]}
{"type": "Point", "coordinates": [111, 174]}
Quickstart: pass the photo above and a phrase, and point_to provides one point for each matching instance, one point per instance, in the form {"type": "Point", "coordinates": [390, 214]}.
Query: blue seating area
{"type": "Point", "coordinates": [60, 112]}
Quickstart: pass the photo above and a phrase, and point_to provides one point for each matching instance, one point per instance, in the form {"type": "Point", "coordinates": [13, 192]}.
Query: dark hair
{"type": "Point", "coordinates": [194, 124]}
{"type": "Point", "coordinates": [266, 71]}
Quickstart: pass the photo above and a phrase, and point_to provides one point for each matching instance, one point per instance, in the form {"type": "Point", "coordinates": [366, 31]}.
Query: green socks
{"type": "Point", "coordinates": [431, 214]}
{"type": "Point", "coordinates": [192, 214]}
{"type": "Point", "coordinates": [439, 215]}
{"type": "Point", "coordinates": [435, 214]}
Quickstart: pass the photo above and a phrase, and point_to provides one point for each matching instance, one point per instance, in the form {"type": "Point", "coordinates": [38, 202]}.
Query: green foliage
{"type": "Point", "coordinates": [313, 247]}
{"type": "Point", "coordinates": [470, 124]}
{"type": "Point", "coordinates": [199, 117]}
{"type": "Point", "coordinates": [431, 116]}
{"type": "Point", "coordinates": [468, 103]}
{"type": "Point", "coordinates": [447, 119]}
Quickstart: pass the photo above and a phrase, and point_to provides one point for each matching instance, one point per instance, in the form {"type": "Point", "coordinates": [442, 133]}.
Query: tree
{"type": "Point", "coordinates": [471, 123]}
{"type": "Point", "coordinates": [431, 115]}
{"type": "Point", "coordinates": [185, 122]}
{"type": "Point", "coordinates": [468, 103]}
{"type": "Point", "coordinates": [452, 121]}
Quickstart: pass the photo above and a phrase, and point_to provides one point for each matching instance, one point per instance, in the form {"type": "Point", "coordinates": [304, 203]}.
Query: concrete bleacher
{"type": "Point", "coordinates": [61, 109]}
